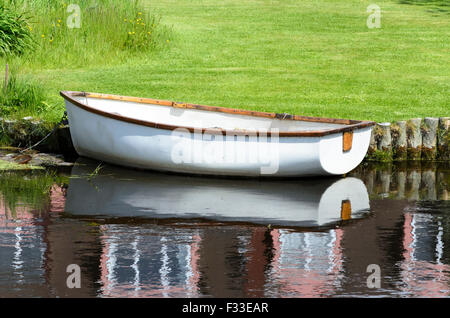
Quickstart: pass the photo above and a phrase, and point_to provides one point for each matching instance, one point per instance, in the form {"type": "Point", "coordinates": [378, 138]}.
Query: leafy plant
{"type": "Point", "coordinates": [94, 173]}
{"type": "Point", "coordinates": [15, 31]}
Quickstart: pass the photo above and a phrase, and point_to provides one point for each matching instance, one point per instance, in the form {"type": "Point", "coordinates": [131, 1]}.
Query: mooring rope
{"type": "Point", "coordinates": [64, 121]}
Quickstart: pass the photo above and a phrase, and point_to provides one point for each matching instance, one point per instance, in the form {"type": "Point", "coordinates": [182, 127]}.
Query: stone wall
{"type": "Point", "coordinates": [414, 139]}
{"type": "Point", "coordinates": [28, 132]}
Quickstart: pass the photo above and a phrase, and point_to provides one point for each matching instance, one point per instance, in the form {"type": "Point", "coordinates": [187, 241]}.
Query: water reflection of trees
{"type": "Point", "coordinates": [24, 190]}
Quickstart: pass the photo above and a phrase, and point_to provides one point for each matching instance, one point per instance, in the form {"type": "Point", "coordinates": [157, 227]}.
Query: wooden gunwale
{"type": "Point", "coordinates": [350, 124]}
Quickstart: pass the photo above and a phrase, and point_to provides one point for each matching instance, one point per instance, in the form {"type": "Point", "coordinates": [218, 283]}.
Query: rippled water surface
{"type": "Point", "coordinates": [137, 234]}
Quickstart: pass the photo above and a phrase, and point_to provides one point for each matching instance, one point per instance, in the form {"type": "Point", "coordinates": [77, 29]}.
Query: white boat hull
{"type": "Point", "coordinates": [133, 145]}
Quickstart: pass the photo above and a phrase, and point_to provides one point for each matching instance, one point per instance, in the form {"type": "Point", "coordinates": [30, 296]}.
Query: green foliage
{"type": "Point", "coordinates": [15, 30]}
{"type": "Point", "coordinates": [4, 140]}
{"type": "Point", "coordinates": [107, 29]}
{"type": "Point", "coordinates": [23, 96]}
{"type": "Point", "coordinates": [380, 156]}
{"type": "Point", "coordinates": [110, 31]}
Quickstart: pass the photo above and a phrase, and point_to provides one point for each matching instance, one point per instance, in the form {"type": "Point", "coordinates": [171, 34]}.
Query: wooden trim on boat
{"type": "Point", "coordinates": [347, 141]}
{"type": "Point", "coordinates": [350, 124]}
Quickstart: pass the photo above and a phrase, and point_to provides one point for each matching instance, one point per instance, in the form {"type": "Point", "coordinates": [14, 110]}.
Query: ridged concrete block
{"type": "Point", "coordinates": [443, 139]}
{"type": "Point", "coordinates": [414, 138]}
{"type": "Point", "coordinates": [384, 141]}
{"type": "Point", "coordinates": [373, 144]}
{"type": "Point", "coordinates": [399, 140]}
{"type": "Point", "coordinates": [429, 138]}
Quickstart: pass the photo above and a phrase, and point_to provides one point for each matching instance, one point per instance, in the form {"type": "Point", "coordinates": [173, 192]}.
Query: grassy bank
{"type": "Point", "coordinates": [314, 58]}
{"type": "Point", "coordinates": [41, 35]}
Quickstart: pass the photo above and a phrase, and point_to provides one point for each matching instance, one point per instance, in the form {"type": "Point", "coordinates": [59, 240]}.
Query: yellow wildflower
{"type": "Point", "coordinates": [139, 13]}
{"type": "Point", "coordinates": [43, 36]}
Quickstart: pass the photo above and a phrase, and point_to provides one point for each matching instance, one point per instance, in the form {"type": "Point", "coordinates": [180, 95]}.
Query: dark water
{"type": "Point", "coordinates": [137, 234]}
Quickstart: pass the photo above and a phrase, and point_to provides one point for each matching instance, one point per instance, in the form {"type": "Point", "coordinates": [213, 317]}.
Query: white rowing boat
{"type": "Point", "coordinates": [168, 136]}
{"type": "Point", "coordinates": [116, 192]}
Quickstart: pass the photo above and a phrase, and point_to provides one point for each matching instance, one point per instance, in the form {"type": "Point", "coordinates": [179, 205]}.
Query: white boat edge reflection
{"type": "Point", "coordinates": [121, 192]}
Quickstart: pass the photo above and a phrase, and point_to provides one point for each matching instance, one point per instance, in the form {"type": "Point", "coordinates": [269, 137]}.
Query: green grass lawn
{"type": "Point", "coordinates": [309, 57]}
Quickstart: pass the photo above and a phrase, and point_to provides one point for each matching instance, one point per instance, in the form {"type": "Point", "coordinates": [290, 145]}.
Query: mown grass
{"type": "Point", "coordinates": [315, 58]}
{"type": "Point", "coordinates": [435, 6]}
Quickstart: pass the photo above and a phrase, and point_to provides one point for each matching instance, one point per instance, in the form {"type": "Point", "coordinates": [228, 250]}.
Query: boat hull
{"type": "Point", "coordinates": [133, 145]}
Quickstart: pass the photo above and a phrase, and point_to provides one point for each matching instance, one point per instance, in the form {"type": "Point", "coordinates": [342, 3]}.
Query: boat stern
{"type": "Point", "coordinates": [342, 152]}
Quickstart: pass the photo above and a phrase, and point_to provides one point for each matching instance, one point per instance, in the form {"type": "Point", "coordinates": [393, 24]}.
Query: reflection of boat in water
{"type": "Point", "coordinates": [118, 192]}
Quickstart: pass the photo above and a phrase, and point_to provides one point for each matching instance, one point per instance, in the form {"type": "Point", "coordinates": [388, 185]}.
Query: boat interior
{"type": "Point", "coordinates": [180, 116]}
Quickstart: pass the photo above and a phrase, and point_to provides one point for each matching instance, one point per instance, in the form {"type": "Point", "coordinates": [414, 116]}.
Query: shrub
{"type": "Point", "coordinates": [15, 31]}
